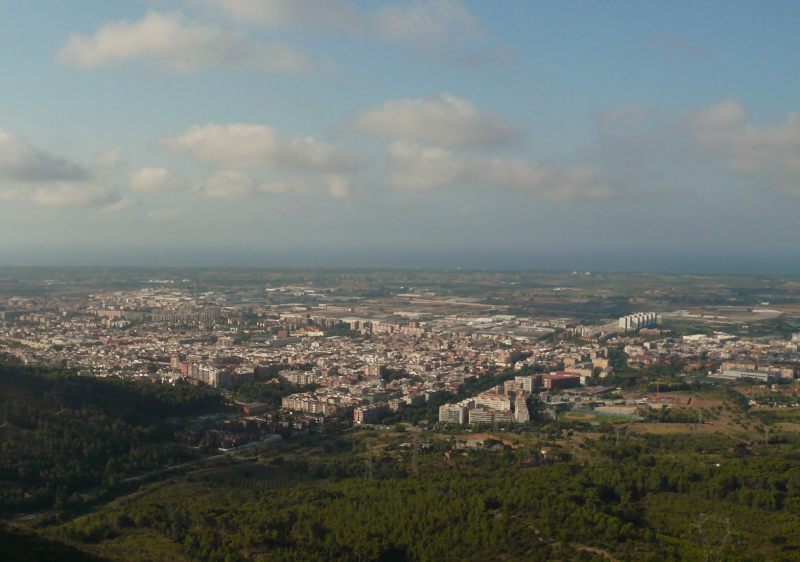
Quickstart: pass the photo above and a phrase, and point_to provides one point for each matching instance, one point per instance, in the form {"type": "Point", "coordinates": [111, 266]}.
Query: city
{"type": "Point", "coordinates": [284, 379]}
{"type": "Point", "coordinates": [366, 359]}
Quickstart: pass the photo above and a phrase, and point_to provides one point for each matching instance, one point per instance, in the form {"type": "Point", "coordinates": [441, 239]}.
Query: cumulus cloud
{"type": "Point", "coordinates": [339, 187]}
{"type": "Point", "coordinates": [253, 159]}
{"type": "Point", "coordinates": [232, 184]}
{"type": "Point", "coordinates": [70, 195]}
{"type": "Point", "coordinates": [440, 119]}
{"type": "Point", "coordinates": [647, 150]}
{"type": "Point", "coordinates": [770, 152]}
{"type": "Point", "coordinates": [225, 184]}
{"type": "Point", "coordinates": [171, 41]}
{"type": "Point", "coordinates": [320, 14]}
{"type": "Point", "coordinates": [241, 145]}
{"type": "Point", "coordinates": [153, 180]}
{"type": "Point", "coordinates": [647, 147]}
{"type": "Point", "coordinates": [423, 168]}
{"type": "Point", "coordinates": [432, 21]}
{"type": "Point", "coordinates": [283, 187]}
{"type": "Point", "coordinates": [21, 162]}
{"type": "Point", "coordinates": [33, 176]}
{"type": "Point", "coordinates": [428, 22]}
{"type": "Point", "coordinates": [63, 195]}
{"type": "Point", "coordinates": [722, 116]}
{"type": "Point", "coordinates": [108, 159]}
{"type": "Point", "coordinates": [118, 204]}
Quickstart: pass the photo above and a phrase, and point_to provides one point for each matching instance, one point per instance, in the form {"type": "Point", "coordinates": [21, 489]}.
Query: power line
{"type": "Point", "coordinates": [714, 532]}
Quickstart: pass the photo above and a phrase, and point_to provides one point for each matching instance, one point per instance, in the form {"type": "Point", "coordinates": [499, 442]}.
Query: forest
{"type": "Point", "coordinates": [62, 435]}
{"type": "Point", "coordinates": [376, 495]}
{"type": "Point", "coordinates": [558, 491]}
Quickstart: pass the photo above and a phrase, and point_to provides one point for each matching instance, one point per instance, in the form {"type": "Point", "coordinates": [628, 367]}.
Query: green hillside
{"type": "Point", "coordinates": [369, 496]}
{"type": "Point", "coordinates": [62, 435]}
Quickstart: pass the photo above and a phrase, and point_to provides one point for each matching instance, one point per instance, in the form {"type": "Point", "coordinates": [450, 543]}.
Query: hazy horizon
{"type": "Point", "coordinates": [415, 259]}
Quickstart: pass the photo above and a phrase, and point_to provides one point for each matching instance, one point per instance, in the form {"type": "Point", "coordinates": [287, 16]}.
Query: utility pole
{"type": "Point", "coordinates": [368, 471]}
{"type": "Point", "coordinates": [415, 458]}
{"type": "Point", "coordinates": [714, 534]}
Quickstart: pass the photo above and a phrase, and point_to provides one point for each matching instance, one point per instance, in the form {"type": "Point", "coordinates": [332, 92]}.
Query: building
{"type": "Point", "coordinates": [369, 414]}
{"type": "Point", "coordinates": [241, 375]}
{"type": "Point", "coordinates": [735, 374]}
{"type": "Point", "coordinates": [633, 322]}
{"type": "Point", "coordinates": [521, 413]}
{"type": "Point", "coordinates": [494, 401]}
{"type": "Point", "coordinates": [453, 413]}
{"type": "Point", "coordinates": [300, 378]}
{"type": "Point", "coordinates": [529, 382]}
{"type": "Point", "coordinates": [208, 375]}
{"type": "Point", "coordinates": [311, 404]}
{"type": "Point", "coordinates": [487, 415]}
{"type": "Point", "coordinates": [373, 368]}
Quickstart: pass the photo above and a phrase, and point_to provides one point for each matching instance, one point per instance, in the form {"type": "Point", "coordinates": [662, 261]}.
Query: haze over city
{"type": "Point", "coordinates": [606, 136]}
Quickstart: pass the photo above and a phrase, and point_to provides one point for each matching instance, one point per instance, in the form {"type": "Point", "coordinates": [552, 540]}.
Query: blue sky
{"type": "Point", "coordinates": [613, 135]}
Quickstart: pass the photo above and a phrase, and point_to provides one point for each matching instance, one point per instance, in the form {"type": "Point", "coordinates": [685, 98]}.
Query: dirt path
{"type": "Point", "coordinates": [595, 550]}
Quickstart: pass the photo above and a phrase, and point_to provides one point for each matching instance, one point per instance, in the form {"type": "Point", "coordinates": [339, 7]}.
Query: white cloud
{"type": "Point", "coordinates": [440, 119]}
{"type": "Point", "coordinates": [431, 21]}
{"type": "Point", "coordinates": [320, 14]}
{"type": "Point", "coordinates": [257, 146]}
{"type": "Point", "coordinates": [769, 153]}
{"type": "Point", "coordinates": [638, 151]}
{"type": "Point", "coordinates": [171, 41]}
{"type": "Point", "coordinates": [339, 187]}
{"type": "Point", "coordinates": [118, 205]}
{"type": "Point", "coordinates": [226, 184]}
{"type": "Point", "coordinates": [257, 160]}
{"type": "Point", "coordinates": [416, 167]}
{"type": "Point", "coordinates": [63, 195]}
{"type": "Point", "coordinates": [32, 176]}
{"type": "Point", "coordinates": [108, 160]}
{"type": "Point", "coordinates": [284, 187]}
{"type": "Point", "coordinates": [647, 151]}
{"type": "Point", "coordinates": [423, 168]}
{"type": "Point", "coordinates": [231, 184]}
{"type": "Point", "coordinates": [722, 116]}
{"type": "Point", "coordinates": [153, 180]}
{"type": "Point", "coordinates": [21, 162]}
{"type": "Point", "coordinates": [428, 22]}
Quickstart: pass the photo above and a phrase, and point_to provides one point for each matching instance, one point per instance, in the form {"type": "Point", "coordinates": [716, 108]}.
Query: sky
{"type": "Point", "coordinates": [623, 136]}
